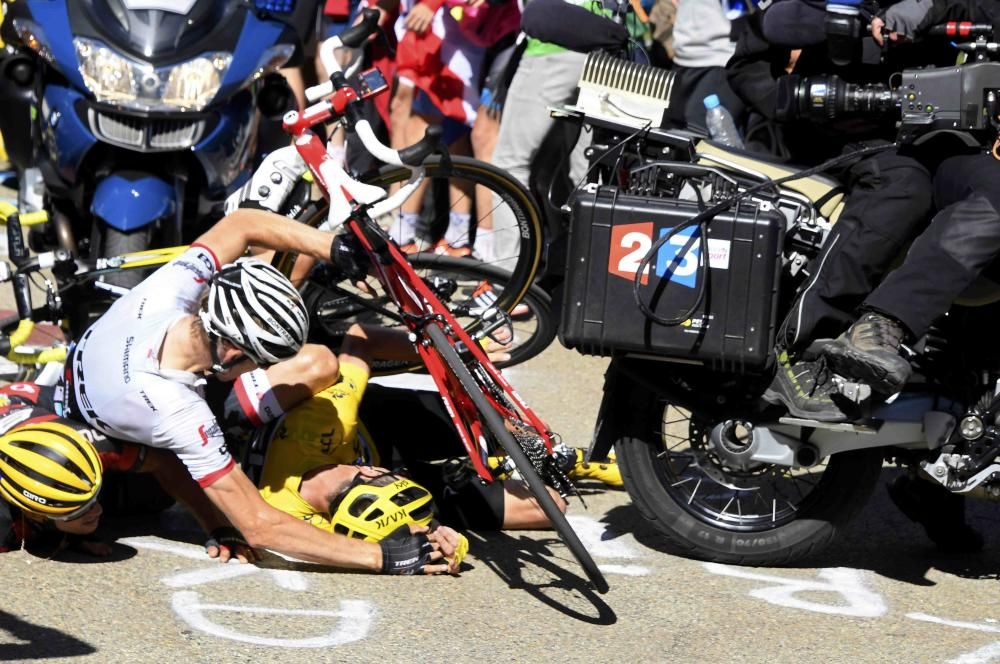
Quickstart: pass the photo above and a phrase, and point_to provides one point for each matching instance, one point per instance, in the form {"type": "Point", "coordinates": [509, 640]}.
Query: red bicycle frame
{"type": "Point", "coordinates": [419, 304]}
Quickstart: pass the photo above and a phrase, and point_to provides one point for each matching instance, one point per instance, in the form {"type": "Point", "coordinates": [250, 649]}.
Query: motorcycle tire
{"type": "Point", "coordinates": [671, 502]}
{"type": "Point", "coordinates": [116, 243]}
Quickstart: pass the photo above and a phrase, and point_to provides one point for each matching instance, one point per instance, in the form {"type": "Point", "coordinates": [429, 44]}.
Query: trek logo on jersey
{"type": "Point", "coordinates": [631, 242]}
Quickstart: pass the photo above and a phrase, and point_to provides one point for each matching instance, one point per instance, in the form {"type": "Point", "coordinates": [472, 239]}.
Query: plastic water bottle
{"type": "Point", "coordinates": [720, 123]}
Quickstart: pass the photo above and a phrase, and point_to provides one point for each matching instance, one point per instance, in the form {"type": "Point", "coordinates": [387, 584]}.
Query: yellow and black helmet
{"type": "Point", "coordinates": [372, 509]}
{"type": "Point", "coordinates": [49, 469]}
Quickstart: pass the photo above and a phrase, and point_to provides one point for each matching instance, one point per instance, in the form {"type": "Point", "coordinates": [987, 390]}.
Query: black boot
{"type": "Point", "coordinates": [939, 511]}
{"type": "Point", "coordinates": [869, 353]}
{"type": "Point", "coordinates": [807, 390]}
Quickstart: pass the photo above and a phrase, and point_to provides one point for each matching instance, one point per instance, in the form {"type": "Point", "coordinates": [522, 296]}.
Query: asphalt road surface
{"type": "Point", "coordinates": [881, 594]}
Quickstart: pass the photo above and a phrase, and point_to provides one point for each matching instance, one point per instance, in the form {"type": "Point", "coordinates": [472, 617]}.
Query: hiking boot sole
{"type": "Point", "coordinates": [773, 396]}
{"type": "Point", "coordinates": [862, 367]}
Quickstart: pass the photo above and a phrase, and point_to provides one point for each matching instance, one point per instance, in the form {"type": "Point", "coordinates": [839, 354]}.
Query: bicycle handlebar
{"type": "Point", "coordinates": [353, 37]}
{"type": "Point", "coordinates": [357, 35]}
{"type": "Point", "coordinates": [415, 154]}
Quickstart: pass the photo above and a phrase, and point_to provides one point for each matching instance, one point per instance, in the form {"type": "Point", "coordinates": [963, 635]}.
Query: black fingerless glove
{"type": "Point", "coordinates": [226, 536]}
{"type": "Point", "coordinates": [404, 553]}
{"type": "Point", "coordinates": [349, 257]}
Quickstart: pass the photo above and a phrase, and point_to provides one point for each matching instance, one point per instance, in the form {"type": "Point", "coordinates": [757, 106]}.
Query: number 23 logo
{"type": "Point", "coordinates": [631, 242]}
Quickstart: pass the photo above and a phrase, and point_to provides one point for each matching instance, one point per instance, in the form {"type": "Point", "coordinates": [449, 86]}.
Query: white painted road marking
{"type": "Point", "coordinates": [847, 583]}
{"type": "Point", "coordinates": [602, 543]}
{"type": "Point", "coordinates": [354, 621]}
{"type": "Point", "coordinates": [354, 617]}
{"type": "Point", "coordinates": [989, 653]}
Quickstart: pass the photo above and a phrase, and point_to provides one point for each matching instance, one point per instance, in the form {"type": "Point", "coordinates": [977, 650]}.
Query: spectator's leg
{"type": "Point", "coordinates": [540, 82]}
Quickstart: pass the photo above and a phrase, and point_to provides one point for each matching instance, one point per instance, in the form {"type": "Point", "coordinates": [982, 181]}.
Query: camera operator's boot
{"type": "Point", "coordinates": [806, 389]}
{"type": "Point", "coordinates": [939, 511]}
{"type": "Point", "coordinates": [869, 352]}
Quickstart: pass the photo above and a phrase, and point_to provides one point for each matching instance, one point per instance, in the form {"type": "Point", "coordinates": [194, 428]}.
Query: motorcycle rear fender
{"type": "Point", "coordinates": [127, 202]}
{"type": "Point", "coordinates": [607, 426]}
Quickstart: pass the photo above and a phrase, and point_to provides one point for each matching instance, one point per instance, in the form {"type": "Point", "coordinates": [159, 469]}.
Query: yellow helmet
{"type": "Point", "coordinates": [372, 509]}
{"type": "Point", "coordinates": [49, 469]}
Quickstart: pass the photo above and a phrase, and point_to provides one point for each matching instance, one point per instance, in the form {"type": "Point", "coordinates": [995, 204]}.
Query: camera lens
{"type": "Point", "coordinates": [825, 98]}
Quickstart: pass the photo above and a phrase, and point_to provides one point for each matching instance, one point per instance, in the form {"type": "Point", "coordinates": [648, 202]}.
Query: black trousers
{"type": "Point", "coordinates": [888, 203]}
{"type": "Point", "coordinates": [962, 240]}
{"type": "Point", "coordinates": [416, 424]}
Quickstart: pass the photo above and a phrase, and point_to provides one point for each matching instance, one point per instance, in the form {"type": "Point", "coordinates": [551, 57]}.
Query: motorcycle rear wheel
{"type": "Point", "coordinates": [768, 515]}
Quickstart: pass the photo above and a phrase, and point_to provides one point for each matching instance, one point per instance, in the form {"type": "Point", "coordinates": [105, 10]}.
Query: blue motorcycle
{"type": "Point", "coordinates": [132, 120]}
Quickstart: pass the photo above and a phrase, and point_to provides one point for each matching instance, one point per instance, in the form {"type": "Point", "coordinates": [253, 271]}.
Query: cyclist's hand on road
{"type": "Point", "coordinates": [407, 553]}
{"type": "Point", "coordinates": [226, 543]}
{"type": "Point", "coordinates": [453, 546]}
{"type": "Point", "coordinates": [419, 18]}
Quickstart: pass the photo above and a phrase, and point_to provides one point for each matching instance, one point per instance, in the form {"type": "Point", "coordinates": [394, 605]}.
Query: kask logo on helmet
{"type": "Point", "coordinates": [396, 517]}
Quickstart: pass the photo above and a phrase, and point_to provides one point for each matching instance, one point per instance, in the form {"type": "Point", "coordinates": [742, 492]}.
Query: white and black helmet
{"type": "Point", "coordinates": [256, 308]}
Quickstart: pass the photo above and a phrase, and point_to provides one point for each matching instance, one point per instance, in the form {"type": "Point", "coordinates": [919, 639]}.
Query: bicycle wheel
{"type": "Point", "coordinates": [465, 286]}
{"type": "Point", "coordinates": [494, 418]}
{"type": "Point", "coordinates": [505, 226]}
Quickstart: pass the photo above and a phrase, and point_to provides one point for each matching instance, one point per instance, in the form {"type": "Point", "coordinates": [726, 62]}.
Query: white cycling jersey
{"type": "Point", "coordinates": [117, 382]}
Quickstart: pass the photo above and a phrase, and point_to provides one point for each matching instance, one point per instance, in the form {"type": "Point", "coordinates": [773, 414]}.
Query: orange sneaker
{"type": "Point", "coordinates": [443, 248]}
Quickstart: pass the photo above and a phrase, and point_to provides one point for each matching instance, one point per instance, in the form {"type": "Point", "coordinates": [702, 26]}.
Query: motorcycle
{"type": "Point", "coordinates": [132, 120]}
{"type": "Point", "coordinates": [684, 255]}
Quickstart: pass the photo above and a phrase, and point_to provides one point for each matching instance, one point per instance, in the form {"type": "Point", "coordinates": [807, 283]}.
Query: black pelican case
{"type": "Point", "coordinates": [732, 329]}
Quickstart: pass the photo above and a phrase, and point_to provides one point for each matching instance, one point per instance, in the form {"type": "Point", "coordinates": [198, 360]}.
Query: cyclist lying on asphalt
{"type": "Point", "coordinates": [36, 504]}
{"type": "Point", "coordinates": [138, 374]}
{"type": "Point", "coordinates": [316, 452]}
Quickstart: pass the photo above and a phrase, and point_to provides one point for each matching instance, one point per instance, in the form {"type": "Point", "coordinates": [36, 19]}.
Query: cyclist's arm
{"type": "Point", "coordinates": [234, 233]}
{"type": "Point", "coordinates": [268, 528]}
{"type": "Point", "coordinates": [176, 481]}
{"type": "Point", "coordinates": [362, 343]}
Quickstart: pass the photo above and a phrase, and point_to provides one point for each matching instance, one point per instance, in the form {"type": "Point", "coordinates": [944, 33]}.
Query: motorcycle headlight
{"type": "Point", "coordinates": [194, 83]}
{"type": "Point", "coordinates": [107, 74]}
{"type": "Point", "coordinates": [114, 78]}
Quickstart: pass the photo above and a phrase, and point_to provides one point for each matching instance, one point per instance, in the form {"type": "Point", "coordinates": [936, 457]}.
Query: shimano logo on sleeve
{"type": "Point", "coordinates": [126, 373]}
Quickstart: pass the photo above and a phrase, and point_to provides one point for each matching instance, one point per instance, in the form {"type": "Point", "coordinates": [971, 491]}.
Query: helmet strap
{"type": "Point", "coordinates": [218, 366]}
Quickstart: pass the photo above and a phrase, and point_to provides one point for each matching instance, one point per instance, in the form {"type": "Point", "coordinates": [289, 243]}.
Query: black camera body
{"type": "Point", "coordinates": [960, 100]}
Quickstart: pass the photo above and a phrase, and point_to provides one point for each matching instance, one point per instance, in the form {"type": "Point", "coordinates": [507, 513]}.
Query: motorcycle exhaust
{"type": "Point", "coordinates": [807, 455]}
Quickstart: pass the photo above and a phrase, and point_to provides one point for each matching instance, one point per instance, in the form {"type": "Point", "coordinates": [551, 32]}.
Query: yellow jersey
{"type": "Point", "coordinates": [323, 431]}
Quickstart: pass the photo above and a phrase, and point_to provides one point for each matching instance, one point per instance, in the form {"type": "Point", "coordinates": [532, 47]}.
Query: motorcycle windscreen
{"type": "Point", "coordinates": [161, 31]}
